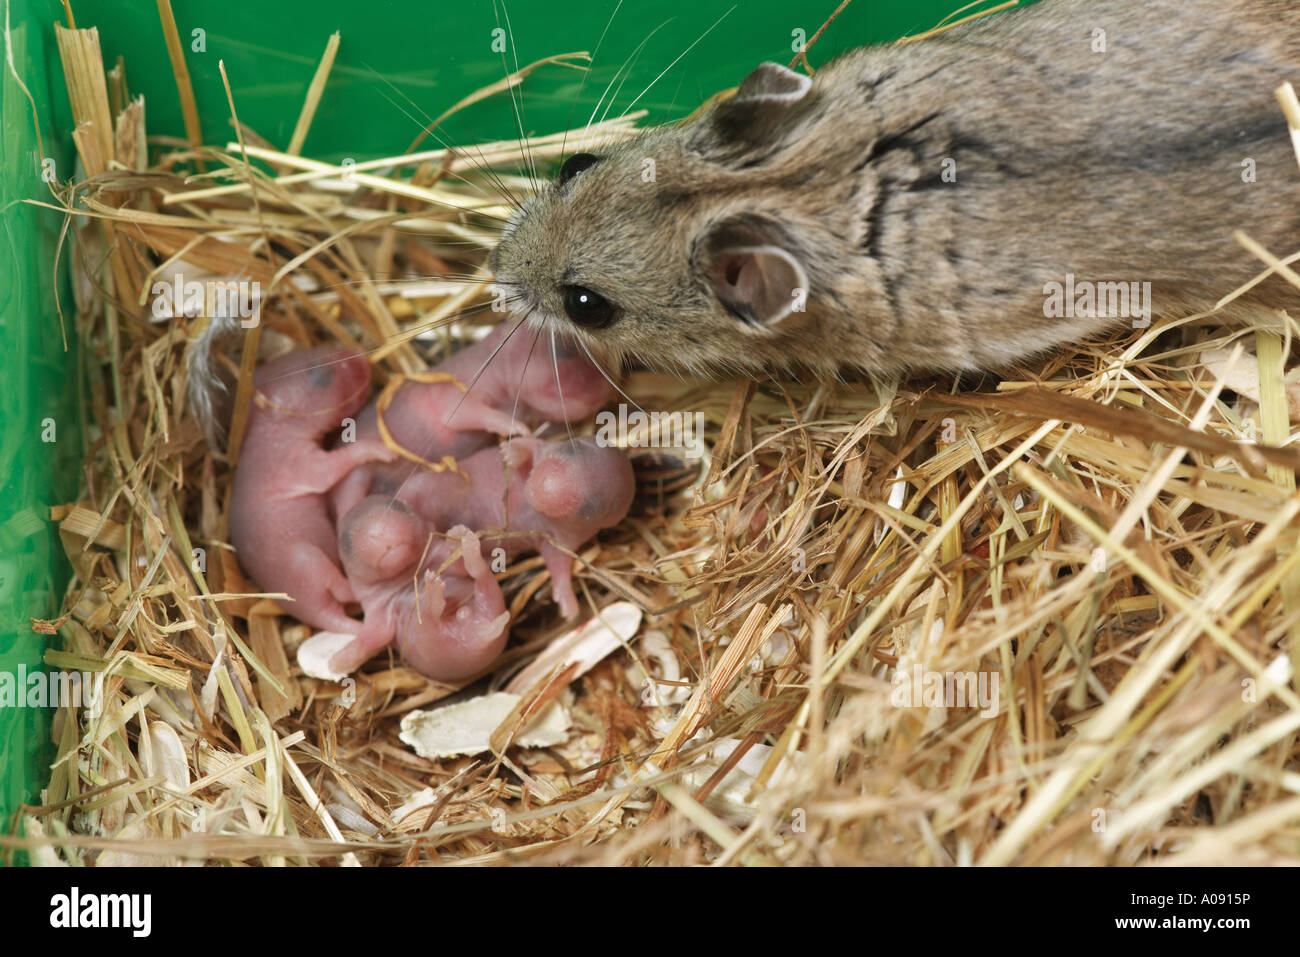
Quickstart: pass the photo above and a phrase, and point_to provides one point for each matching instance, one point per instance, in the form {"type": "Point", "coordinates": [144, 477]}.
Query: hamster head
{"type": "Point", "coordinates": [678, 247]}
{"type": "Point", "coordinates": [314, 384]}
{"type": "Point", "coordinates": [581, 483]}
{"type": "Point", "coordinates": [380, 537]}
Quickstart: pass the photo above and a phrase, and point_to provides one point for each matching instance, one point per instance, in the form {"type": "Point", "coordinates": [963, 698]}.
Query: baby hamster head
{"type": "Point", "coordinates": [678, 247]}
{"type": "Point", "coordinates": [580, 483]}
{"type": "Point", "coordinates": [379, 538]}
{"type": "Point", "coordinates": [313, 384]}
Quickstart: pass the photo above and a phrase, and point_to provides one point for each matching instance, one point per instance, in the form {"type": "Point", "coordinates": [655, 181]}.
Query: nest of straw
{"type": "Point", "coordinates": [1104, 543]}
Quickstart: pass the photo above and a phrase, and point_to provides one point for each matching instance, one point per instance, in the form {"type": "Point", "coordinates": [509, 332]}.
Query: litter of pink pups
{"type": "Point", "coordinates": [431, 591]}
{"type": "Point", "coordinates": [414, 540]}
{"type": "Point", "coordinates": [419, 571]}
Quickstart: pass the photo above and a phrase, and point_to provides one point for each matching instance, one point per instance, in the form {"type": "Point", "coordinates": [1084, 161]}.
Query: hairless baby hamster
{"type": "Point", "coordinates": [509, 380]}
{"type": "Point", "coordinates": [279, 523]}
{"type": "Point", "coordinates": [530, 494]}
{"type": "Point", "coordinates": [918, 206]}
{"type": "Point", "coordinates": [449, 617]}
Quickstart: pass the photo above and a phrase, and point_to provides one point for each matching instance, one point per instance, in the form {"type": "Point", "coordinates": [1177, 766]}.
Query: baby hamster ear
{"type": "Point", "coordinates": [766, 99]}
{"type": "Point", "coordinates": [752, 272]}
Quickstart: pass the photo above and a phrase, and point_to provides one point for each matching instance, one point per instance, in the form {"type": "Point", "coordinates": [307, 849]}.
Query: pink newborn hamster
{"type": "Point", "coordinates": [572, 488]}
{"type": "Point", "coordinates": [528, 494]}
{"type": "Point", "coordinates": [522, 384]}
{"type": "Point", "coordinates": [449, 619]}
{"type": "Point", "coordinates": [531, 494]}
{"type": "Point", "coordinates": [279, 520]}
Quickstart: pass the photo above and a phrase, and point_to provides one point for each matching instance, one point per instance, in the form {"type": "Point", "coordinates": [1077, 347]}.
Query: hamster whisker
{"type": "Point", "coordinates": [411, 280]}
{"type": "Point", "coordinates": [559, 389]}
{"type": "Point", "coordinates": [601, 370]}
{"type": "Point", "coordinates": [486, 362]}
{"type": "Point", "coordinates": [620, 77]}
{"type": "Point", "coordinates": [517, 101]}
{"type": "Point", "coordinates": [481, 164]}
{"type": "Point", "coordinates": [591, 64]}
{"type": "Point", "coordinates": [421, 328]}
{"type": "Point", "coordinates": [429, 128]}
{"type": "Point", "coordinates": [514, 409]}
{"type": "Point", "coordinates": [674, 63]}
{"type": "Point", "coordinates": [514, 412]}
{"type": "Point", "coordinates": [307, 369]}
{"type": "Point", "coordinates": [372, 353]}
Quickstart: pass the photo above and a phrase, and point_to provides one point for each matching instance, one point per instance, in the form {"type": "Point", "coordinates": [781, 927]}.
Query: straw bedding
{"type": "Point", "coordinates": [1102, 542]}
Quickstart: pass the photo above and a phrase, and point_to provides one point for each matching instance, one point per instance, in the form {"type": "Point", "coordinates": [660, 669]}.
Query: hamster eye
{"type": "Point", "coordinates": [588, 309]}
{"type": "Point", "coordinates": [575, 164]}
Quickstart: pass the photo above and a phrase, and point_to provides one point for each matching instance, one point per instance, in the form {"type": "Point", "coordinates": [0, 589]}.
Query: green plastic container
{"type": "Point", "coordinates": [399, 63]}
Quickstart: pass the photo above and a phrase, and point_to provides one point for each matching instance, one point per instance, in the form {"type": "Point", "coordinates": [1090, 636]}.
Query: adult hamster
{"type": "Point", "coordinates": [909, 207]}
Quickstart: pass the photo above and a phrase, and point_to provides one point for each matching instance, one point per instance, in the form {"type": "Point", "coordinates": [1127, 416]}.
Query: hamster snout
{"type": "Point", "coordinates": [913, 207]}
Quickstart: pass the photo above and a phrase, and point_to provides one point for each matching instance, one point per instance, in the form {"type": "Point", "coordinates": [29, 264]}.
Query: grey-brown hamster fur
{"type": "Point", "coordinates": [1117, 166]}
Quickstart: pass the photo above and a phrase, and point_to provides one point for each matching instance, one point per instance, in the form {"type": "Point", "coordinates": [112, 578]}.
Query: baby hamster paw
{"type": "Point", "coordinates": [317, 588]}
{"type": "Point", "coordinates": [560, 565]}
{"type": "Point", "coordinates": [488, 603]}
{"type": "Point", "coordinates": [336, 464]}
{"type": "Point", "coordinates": [471, 554]}
{"type": "Point", "coordinates": [336, 654]}
{"type": "Point", "coordinates": [518, 453]}
{"type": "Point", "coordinates": [479, 416]}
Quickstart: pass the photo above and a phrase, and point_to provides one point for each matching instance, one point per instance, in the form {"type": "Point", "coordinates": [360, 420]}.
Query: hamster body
{"type": "Point", "coordinates": [532, 494]}
{"type": "Point", "coordinates": [528, 495]}
{"type": "Point", "coordinates": [279, 520]}
{"type": "Point", "coordinates": [449, 622]}
{"type": "Point", "coordinates": [561, 493]}
{"type": "Point", "coordinates": [528, 379]}
{"type": "Point", "coordinates": [913, 207]}
{"type": "Point", "coordinates": [501, 385]}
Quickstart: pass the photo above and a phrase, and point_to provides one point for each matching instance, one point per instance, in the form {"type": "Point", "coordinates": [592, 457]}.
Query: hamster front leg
{"type": "Point", "coordinates": [480, 416]}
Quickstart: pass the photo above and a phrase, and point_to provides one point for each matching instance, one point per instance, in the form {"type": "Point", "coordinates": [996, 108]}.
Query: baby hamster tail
{"type": "Point", "coordinates": [208, 380]}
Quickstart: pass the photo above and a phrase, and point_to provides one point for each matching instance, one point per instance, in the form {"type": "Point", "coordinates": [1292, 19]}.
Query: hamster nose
{"type": "Point", "coordinates": [519, 297]}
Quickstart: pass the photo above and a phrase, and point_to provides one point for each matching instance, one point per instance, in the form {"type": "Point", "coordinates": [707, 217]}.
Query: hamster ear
{"type": "Point", "coordinates": [751, 270]}
{"type": "Point", "coordinates": [763, 101]}
{"type": "Point", "coordinates": [773, 82]}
